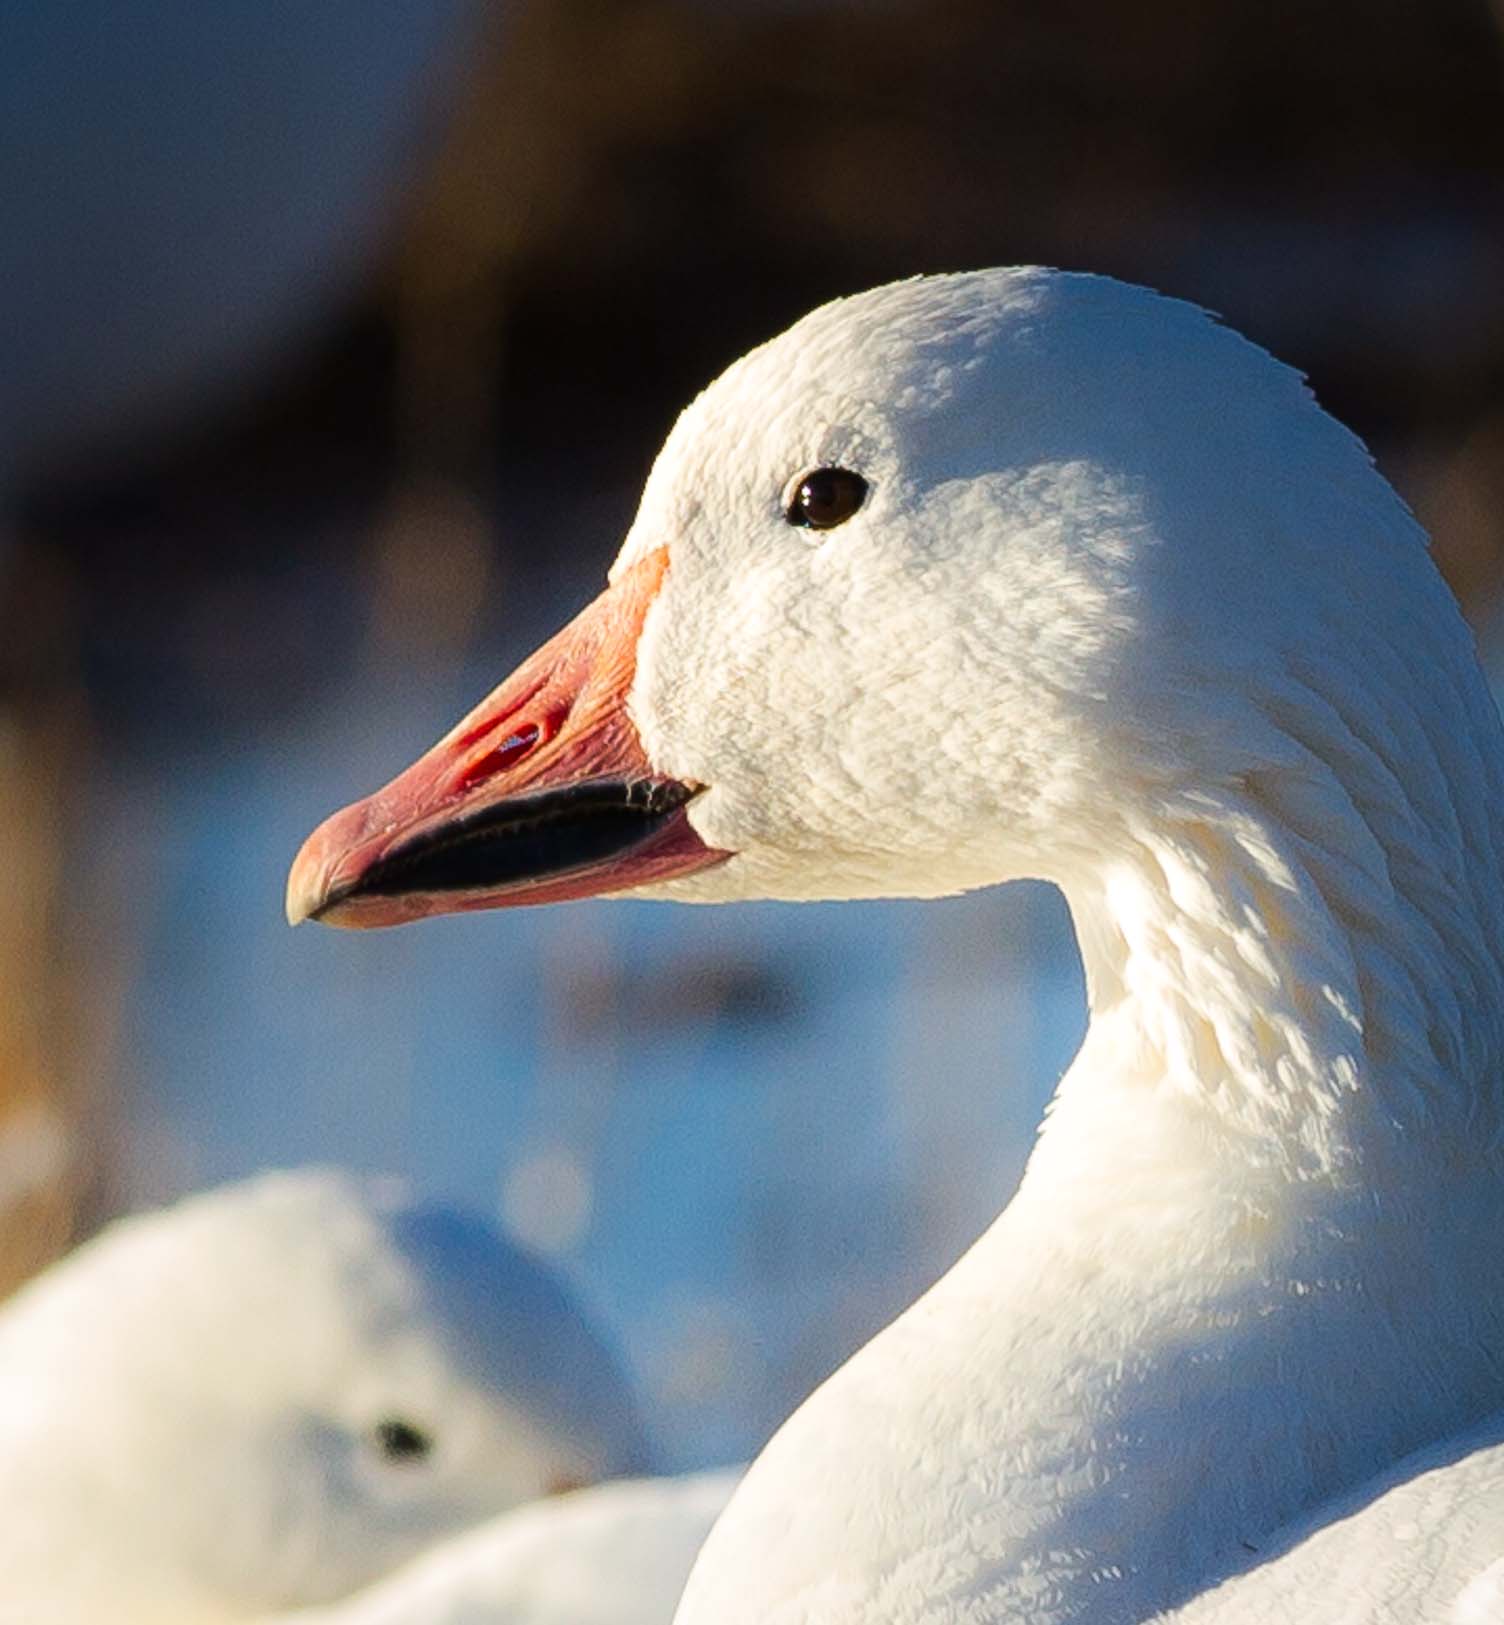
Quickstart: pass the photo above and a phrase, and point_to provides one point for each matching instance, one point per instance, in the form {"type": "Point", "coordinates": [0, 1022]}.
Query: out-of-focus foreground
{"type": "Point", "coordinates": [336, 350]}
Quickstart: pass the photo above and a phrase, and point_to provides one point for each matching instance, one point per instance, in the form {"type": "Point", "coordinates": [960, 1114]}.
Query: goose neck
{"type": "Point", "coordinates": [1312, 980]}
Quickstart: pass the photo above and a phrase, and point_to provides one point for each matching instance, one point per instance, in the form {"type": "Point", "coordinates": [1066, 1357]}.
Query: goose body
{"type": "Point", "coordinates": [1023, 573]}
{"type": "Point", "coordinates": [1424, 1545]}
{"type": "Point", "coordinates": [613, 1554]}
{"type": "Point", "coordinates": [273, 1393]}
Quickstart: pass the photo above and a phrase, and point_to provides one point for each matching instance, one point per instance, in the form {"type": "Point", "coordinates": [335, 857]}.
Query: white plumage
{"type": "Point", "coordinates": [1125, 610]}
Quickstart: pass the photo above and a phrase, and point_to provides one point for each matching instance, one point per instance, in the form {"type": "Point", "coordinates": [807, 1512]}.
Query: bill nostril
{"type": "Point", "coordinates": [489, 725]}
{"type": "Point", "coordinates": [507, 754]}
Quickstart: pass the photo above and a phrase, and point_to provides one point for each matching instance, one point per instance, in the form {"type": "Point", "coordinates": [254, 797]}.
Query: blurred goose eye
{"type": "Point", "coordinates": [398, 1440]}
{"type": "Point", "coordinates": [826, 497]}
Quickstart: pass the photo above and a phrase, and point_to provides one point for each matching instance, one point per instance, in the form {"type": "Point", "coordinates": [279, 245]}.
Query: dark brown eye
{"type": "Point", "coordinates": [826, 497]}
{"type": "Point", "coordinates": [399, 1440]}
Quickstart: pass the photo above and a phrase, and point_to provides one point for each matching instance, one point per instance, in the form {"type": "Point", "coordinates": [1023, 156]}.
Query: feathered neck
{"type": "Point", "coordinates": [1254, 1257]}
{"type": "Point", "coordinates": [1312, 951]}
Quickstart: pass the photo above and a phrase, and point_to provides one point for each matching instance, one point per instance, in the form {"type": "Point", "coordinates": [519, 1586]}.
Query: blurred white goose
{"type": "Point", "coordinates": [614, 1554]}
{"type": "Point", "coordinates": [1023, 573]}
{"type": "Point", "coordinates": [274, 1393]}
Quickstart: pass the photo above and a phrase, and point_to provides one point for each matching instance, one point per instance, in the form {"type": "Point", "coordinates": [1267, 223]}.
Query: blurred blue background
{"type": "Point", "coordinates": [337, 342]}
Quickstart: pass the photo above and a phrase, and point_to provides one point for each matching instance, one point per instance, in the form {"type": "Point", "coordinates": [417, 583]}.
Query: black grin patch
{"type": "Point", "coordinates": [530, 837]}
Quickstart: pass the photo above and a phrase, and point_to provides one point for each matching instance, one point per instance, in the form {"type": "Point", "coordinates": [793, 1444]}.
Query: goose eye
{"type": "Point", "coordinates": [826, 497]}
{"type": "Point", "coordinates": [398, 1440]}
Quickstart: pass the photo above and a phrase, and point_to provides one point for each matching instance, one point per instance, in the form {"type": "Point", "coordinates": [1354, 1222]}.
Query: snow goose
{"type": "Point", "coordinates": [1023, 573]}
{"type": "Point", "coordinates": [274, 1393]}
{"type": "Point", "coordinates": [613, 1554]}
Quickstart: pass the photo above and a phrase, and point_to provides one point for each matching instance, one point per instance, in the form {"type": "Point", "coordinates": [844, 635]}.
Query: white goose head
{"type": "Point", "coordinates": [1092, 522]}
